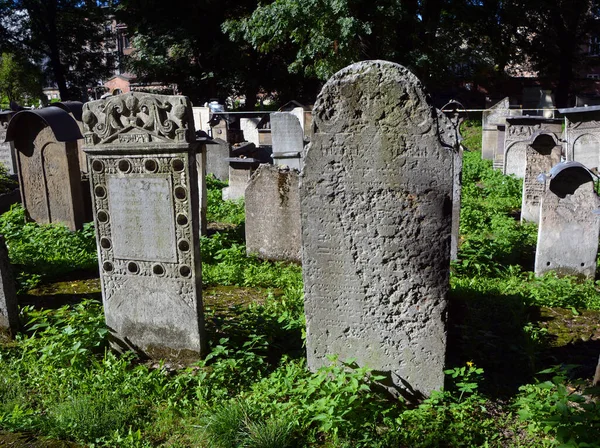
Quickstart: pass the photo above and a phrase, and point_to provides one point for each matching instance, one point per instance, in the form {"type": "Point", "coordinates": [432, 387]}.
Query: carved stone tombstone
{"type": "Point", "coordinates": [376, 204]}
{"type": "Point", "coordinates": [48, 166]}
{"type": "Point", "coordinates": [582, 135]}
{"type": "Point", "coordinates": [519, 134]}
{"type": "Point", "coordinates": [541, 155]}
{"type": "Point", "coordinates": [273, 214]}
{"type": "Point", "coordinates": [9, 311]}
{"type": "Point", "coordinates": [7, 149]}
{"type": "Point", "coordinates": [569, 223]}
{"type": "Point", "coordinates": [288, 140]}
{"type": "Point", "coordinates": [142, 161]}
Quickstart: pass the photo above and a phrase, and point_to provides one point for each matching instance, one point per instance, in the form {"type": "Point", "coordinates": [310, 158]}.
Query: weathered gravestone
{"type": "Point", "coordinates": [9, 312]}
{"type": "Point", "coordinates": [75, 109]}
{"type": "Point", "coordinates": [541, 155]}
{"type": "Point", "coordinates": [376, 204]}
{"type": "Point", "coordinates": [7, 149]}
{"type": "Point", "coordinates": [142, 156]}
{"type": "Point", "coordinates": [216, 159]}
{"type": "Point", "coordinates": [491, 118]}
{"type": "Point", "coordinates": [249, 126]}
{"type": "Point", "coordinates": [454, 112]}
{"type": "Point", "coordinates": [272, 202]}
{"type": "Point", "coordinates": [582, 135]}
{"type": "Point", "coordinates": [288, 140]}
{"type": "Point", "coordinates": [48, 166]}
{"type": "Point", "coordinates": [518, 137]}
{"type": "Point", "coordinates": [569, 224]}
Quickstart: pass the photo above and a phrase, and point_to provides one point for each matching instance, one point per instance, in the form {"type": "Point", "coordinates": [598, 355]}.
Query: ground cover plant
{"type": "Point", "coordinates": [512, 341]}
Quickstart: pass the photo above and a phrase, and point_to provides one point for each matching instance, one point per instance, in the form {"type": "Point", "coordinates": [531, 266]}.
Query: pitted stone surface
{"type": "Point", "coordinates": [376, 202]}
{"type": "Point", "coordinates": [568, 231]}
{"type": "Point", "coordinates": [541, 156]}
{"type": "Point", "coordinates": [143, 164]}
{"type": "Point", "coordinates": [9, 311]}
{"type": "Point", "coordinates": [49, 176]}
{"type": "Point", "coordinates": [273, 214]}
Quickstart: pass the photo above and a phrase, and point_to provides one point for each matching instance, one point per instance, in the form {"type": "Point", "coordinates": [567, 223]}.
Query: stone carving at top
{"type": "Point", "coordinates": [138, 118]}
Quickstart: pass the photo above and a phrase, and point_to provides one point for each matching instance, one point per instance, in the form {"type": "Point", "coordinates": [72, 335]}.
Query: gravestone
{"type": "Point", "coordinates": [582, 135]}
{"type": "Point", "coordinates": [376, 204]}
{"type": "Point", "coordinates": [75, 109]}
{"type": "Point", "coordinates": [216, 159]}
{"type": "Point", "coordinates": [7, 149]}
{"type": "Point", "coordinates": [142, 155]}
{"type": "Point", "coordinates": [272, 202]}
{"type": "Point", "coordinates": [491, 118]}
{"type": "Point", "coordinates": [288, 140]}
{"type": "Point", "coordinates": [9, 311]}
{"type": "Point", "coordinates": [546, 104]}
{"type": "Point", "coordinates": [240, 172]}
{"type": "Point", "coordinates": [48, 166]}
{"type": "Point", "coordinates": [569, 224]}
{"type": "Point", "coordinates": [455, 115]}
{"type": "Point", "coordinates": [518, 136]}
{"type": "Point", "coordinates": [541, 155]}
{"type": "Point", "coordinates": [250, 129]}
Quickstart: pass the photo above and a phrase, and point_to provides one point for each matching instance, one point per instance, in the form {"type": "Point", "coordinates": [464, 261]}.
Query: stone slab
{"type": "Point", "coordinates": [288, 137]}
{"type": "Point", "coordinates": [569, 224]}
{"type": "Point", "coordinates": [541, 156]}
{"type": "Point", "coordinates": [145, 189]}
{"type": "Point", "coordinates": [376, 203]}
{"type": "Point", "coordinates": [272, 201]}
{"type": "Point", "coordinates": [9, 311]}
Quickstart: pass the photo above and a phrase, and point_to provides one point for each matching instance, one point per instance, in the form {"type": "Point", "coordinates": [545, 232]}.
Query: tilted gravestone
{"type": "Point", "coordinates": [288, 140]}
{"type": "Point", "coordinates": [582, 135]}
{"type": "Point", "coordinates": [569, 224]}
{"type": "Point", "coordinates": [142, 156]}
{"type": "Point", "coordinates": [48, 166]}
{"type": "Point", "coordinates": [273, 230]}
{"type": "Point", "coordinates": [9, 311]}
{"type": "Point", "coordinates": [7, 150]}
{"type": "Point", "coordinates": [541, 155]}
{"type": "Point", "coordinates": [376, 204]}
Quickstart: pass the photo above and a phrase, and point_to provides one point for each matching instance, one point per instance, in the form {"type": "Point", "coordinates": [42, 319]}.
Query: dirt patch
{"type": "Point", "coordinates": [26, 440]}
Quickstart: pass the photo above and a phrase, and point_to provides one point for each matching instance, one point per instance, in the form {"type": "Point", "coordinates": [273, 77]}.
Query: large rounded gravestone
{"type": "Point", "coordinates": [376, 201]}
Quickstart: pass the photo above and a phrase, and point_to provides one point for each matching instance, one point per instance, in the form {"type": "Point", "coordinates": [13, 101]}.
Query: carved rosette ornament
{"type": "Point", "coordinates": [141, 153]}
{"type": "Point", "coordinates": [138, 118]}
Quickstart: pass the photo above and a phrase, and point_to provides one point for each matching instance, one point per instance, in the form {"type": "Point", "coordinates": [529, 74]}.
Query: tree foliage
{"type": "Point", "coordinates": [20, 80]}
{"type": "Point", "coordinates": [67, 37]}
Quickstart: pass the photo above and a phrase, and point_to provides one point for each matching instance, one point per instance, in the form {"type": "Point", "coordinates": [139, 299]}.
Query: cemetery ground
{"type": "Point", "coordinates": [522, 351]}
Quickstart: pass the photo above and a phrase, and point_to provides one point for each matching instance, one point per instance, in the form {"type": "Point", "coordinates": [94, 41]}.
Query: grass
{"type": "Point", "coordinates": [512, 338]}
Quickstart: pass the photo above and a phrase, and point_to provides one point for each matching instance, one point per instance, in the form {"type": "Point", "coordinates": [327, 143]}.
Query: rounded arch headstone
{"type": "Point", "coordinates": [569, 224]}
{"type": "Point", "coordinates": [376, 202]}
{"type": "Point", "coordinates": [48, 166]}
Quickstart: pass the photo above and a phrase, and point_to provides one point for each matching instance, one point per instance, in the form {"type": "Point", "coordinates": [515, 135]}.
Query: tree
{"type": "Point", "coordinates": [555, 31]}
{"type": "Point", "coordinates": [68, 37]}
{"type": "Point", "coordinates": [20, 80]}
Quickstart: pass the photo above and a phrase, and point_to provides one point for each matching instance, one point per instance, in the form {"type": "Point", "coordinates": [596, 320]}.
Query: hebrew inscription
{"type": "Point", "coordinates": [376, 201]}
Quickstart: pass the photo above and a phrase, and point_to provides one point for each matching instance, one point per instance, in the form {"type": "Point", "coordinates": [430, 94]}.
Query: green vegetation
{"type": "Point", "coordinates": [512, 340]}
